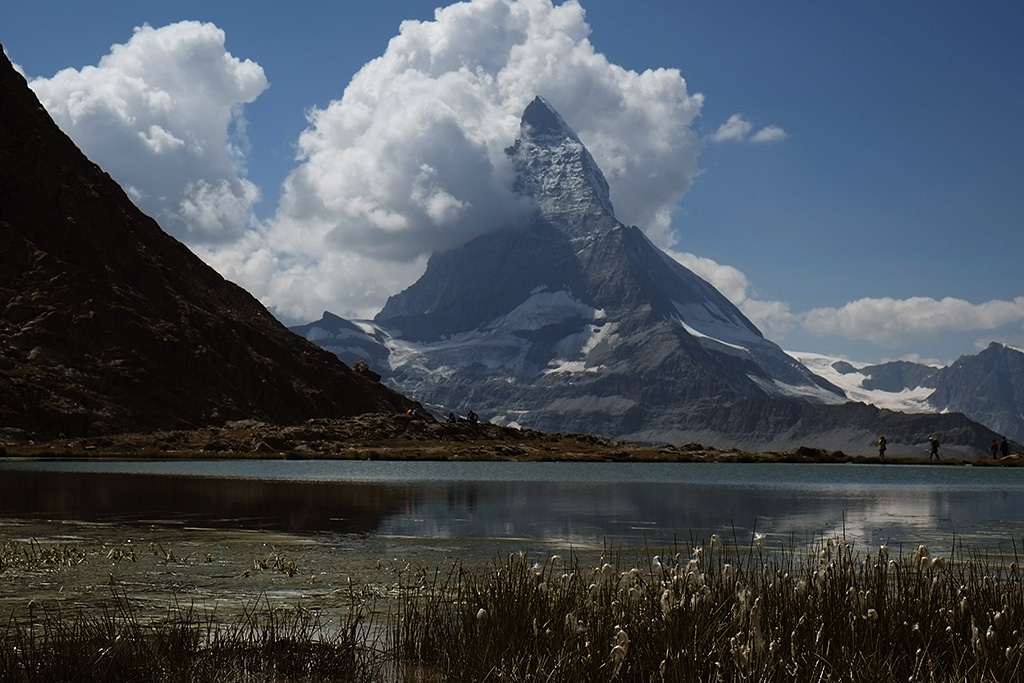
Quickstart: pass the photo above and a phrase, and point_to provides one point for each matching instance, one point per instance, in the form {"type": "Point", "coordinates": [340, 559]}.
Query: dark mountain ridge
{"type": "Point", "coordinates": [988, 387]}
{"type": "Point", "coordinates": [107, 323]}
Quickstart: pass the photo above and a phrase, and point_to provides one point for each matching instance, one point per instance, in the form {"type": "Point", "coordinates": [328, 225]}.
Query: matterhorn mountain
{"type": "Point", "coordinates": [577, 322]}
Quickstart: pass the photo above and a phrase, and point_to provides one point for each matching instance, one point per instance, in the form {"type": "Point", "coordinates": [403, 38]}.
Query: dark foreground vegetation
{"type": "Point", "coordinates": [827, 613]}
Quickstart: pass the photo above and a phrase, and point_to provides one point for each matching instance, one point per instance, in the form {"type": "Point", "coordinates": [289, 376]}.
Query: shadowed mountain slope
{"type": "Point", "coordinates": [989, 387]}
{"type": "Point", "coordinates": [107, 323]}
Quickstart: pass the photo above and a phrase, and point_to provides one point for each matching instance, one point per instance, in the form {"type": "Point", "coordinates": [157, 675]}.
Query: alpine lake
{"type": "Point", "coordinates": [222, 534]}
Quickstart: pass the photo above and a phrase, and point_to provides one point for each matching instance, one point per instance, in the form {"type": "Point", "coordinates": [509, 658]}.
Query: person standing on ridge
{"type": "Point", "coordinates": [1004, 447]}
{"type": "Point", "coordinates": [994, 447]}
{"type": "Point", "coordinates": [935, 448]}
{"type": "Point", "coordinates": [881, 447]}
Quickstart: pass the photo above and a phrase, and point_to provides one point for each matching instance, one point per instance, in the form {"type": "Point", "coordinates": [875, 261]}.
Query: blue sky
{"type": "Point", "coordinates": [879, 218]}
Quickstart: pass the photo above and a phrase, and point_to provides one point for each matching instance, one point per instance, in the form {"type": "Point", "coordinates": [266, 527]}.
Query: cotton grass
{"type": "Point", "coordinates": [713, 611]}
{"type": "Point", "coordinates": [720, 613]}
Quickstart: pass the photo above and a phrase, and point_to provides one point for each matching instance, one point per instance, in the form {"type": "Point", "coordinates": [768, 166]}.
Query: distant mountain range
{"type": "Point", "coordinates": [987, 387]}
{"type": "Point", "coordinates": [577, 322]}
{"type": "Point", "coordinates": [108, 324]}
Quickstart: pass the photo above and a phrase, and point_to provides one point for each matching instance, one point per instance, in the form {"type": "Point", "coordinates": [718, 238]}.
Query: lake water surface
{"type": "Point", "coordinates": [584, 505]}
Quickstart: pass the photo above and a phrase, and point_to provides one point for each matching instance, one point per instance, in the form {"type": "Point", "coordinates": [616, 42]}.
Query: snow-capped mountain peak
{"type": "Point", "coordinates": [554, 167]}
{"type": "Point", "coordinates": [543, 121]}
{"type": "Point", "coordinates": [573, 321]}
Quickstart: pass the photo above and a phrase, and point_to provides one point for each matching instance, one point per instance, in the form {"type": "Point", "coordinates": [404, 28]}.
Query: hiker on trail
{"type": "Point", "coordinates": [881, 447]}
{"type": "Point", "coordinates": [472, 417]}
{"type": "Point", "coordinates": [994, 447]}
{"type": "Point", "coordinates": [451, 419]}
{"type": "Point", "coordinates": [935, 448]}
{"type": "Point", "coordinates": [1004, 447]}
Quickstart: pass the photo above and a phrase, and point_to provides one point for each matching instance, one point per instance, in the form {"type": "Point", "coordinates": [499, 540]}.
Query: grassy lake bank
{"type": "Point", "coordinates": [134, 609]}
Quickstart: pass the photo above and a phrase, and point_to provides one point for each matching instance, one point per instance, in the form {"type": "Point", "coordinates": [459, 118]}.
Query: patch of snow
{"type": "Point", "coordinates": [318, 333]}
{"type": "Point", "coordinates": [705, 319]}
{"type": "Point", "coordinates": [907, 401]}
{"type": "Point", "coordinates": [808, 391]}
{"type": "Point", "coordinates": [499, 348]}
{"type": "Point", "coordinates": [315, 334]}
{"type": "Point", "coordinates": [701, 335]}
{"type": "Point", "coordinates": [576, 345]}
{"type": "Point", "coordinates": [546, 308]}
{"type": "Point", "coordinates": [467, 347]}
{"type": "Point", "coordinates": [367, 327]}
{"type": "Point", "coordinates": [510, 418]}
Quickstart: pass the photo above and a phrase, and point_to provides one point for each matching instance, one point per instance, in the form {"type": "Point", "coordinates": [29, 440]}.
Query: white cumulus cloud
{"type": "Point", "coordinates": [411, 159]}
{"type": "Point", "coordinates": [735, 129]}
{"type": "Point", "coordinates": [892, 322]}
{"type": "Point", "coordinates": [739, 129]}
{"type": "Point", "coordinates": [162, 114]}
{"type": "Point", "coordinates": [769, 134]}
{"type": "Point", "coordinates": [773, 318]}
{"type": "Point", "coordinates": [886, 322]}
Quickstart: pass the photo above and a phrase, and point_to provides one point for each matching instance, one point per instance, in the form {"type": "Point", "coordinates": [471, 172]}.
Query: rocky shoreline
{"type": "Point", "coordinates": [390, 436]}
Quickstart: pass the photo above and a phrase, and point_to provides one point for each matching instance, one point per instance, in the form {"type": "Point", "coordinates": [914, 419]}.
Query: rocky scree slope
{"type": "Point", "coordinates": [107, 323]}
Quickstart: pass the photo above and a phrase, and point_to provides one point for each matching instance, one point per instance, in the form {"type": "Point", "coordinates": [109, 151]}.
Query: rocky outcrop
{"type": "Point", "coordinates": [899, 375]}
{"type": "Point", "coordinates": [989, 387]}
{"type": "Point", "coordinates": [107, 323]}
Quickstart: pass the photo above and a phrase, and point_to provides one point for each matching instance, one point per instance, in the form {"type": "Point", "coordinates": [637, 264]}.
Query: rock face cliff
{"type": "Point", "coordinates": [108, 324]}
{"type": "Point", "coordinates": [577, 322]}
{"type": "Point", "coordinates": [988, 387]}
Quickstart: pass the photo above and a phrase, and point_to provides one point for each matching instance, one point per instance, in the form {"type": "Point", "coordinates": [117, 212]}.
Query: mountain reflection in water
{"type": "Point", "coordinates": [215, 502]}
{"type": "Point", "coordinates": [582, 504]}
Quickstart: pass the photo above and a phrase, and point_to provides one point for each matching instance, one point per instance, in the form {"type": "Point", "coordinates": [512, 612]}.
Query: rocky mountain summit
{"type": "Point", "coordinates": [109, 324]}
{"type": "Point", "coordinates": [575, 322]}
{"type": "Point", "coordinates": [987, 387]}
{"type": "Point", "coordinates": [557, 171]}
